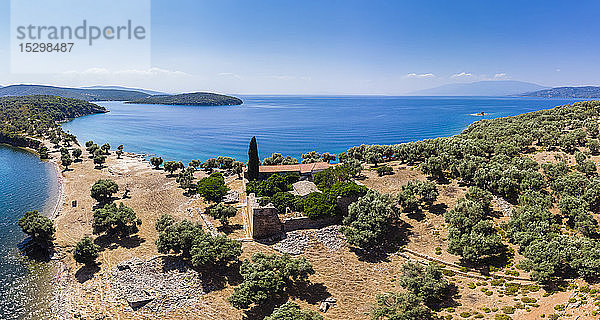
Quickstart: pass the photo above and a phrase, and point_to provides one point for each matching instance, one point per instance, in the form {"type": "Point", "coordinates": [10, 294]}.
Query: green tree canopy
{"type": "Point", "coordinates": [118, 220]}
{"type": "Point", "coordinates": [39, 227]}
{"type": "Point", "coordinates": [103, 190]}
{"type": "Point", "coordinates": [86, 251]}
{"type": "Point", "coordinates": [266, 276]}
{"type": "Point", "coordinates": [213, 187]}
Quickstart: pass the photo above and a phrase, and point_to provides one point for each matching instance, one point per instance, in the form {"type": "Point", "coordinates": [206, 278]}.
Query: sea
{"type": "Point", "coordinates": [26, 184]}
{"type": "Point", "coordinates": [290, 125]}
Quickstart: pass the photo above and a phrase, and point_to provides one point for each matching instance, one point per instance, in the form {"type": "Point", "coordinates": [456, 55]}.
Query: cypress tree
{"type": "Point", "coordinates": [253, 161]}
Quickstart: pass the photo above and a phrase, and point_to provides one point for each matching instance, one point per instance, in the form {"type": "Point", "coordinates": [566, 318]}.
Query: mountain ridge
{"type": "Point", "coordinates": [481, 88]}
{"type": "Point", "coordinates": [19, 90]}
{"type": "Point", "coordinates": [583, 92]}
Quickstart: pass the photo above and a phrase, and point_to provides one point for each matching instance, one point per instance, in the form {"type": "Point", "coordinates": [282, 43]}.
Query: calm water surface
{"type": "Point", "coordinates": [289, 125]}
{"type": "Point", "coordinates": [26, 184]}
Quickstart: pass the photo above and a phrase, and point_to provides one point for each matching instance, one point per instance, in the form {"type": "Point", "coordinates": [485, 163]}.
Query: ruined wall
{"type": "Point", "coordinates": [345, 202]}
{"type": "Point", "coordinates": [265, 220]}
{"type": "Point", "coordinates": [291, 224]}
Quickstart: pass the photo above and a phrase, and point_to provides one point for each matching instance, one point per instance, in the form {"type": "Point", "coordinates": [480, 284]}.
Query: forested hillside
{"type": "Point", "coordinates": [37, 116]}
{"type": "Point", "coordinates": [75, 93]}
{"type": "Point", "coordinates": [554, 224]}
{"type": "Point", "coordinates": [588, 92]}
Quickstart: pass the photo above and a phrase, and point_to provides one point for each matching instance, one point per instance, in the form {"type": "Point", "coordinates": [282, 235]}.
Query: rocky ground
{"type": "Point", "coordinates": [296, 242]}
{"type": "Point", "coordinates": [157, 285]}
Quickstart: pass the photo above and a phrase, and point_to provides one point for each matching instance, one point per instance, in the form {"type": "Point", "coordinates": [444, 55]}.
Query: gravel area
{"type": "Point", "coordinates": [296, 242]}
{"type": "Point", "coordinates": [330, 237]}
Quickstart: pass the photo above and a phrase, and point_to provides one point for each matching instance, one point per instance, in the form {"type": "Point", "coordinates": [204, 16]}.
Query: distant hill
{"type": "Point", "coordinates": [481, 88]}
{"type": "Point", "coordinates": [588, 92]}
{"type": "Point", "coordinates": [74, 93]}
{"type": "Point", "coordinates": [150, 92]}
{"type": "Point", "coordinates": [191, 99]}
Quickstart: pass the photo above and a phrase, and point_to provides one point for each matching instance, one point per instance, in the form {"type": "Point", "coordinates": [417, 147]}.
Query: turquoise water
{"type": "Point", "coordinates": [26, 184]}
{"type": "Point", "coordinates": [289, 125]}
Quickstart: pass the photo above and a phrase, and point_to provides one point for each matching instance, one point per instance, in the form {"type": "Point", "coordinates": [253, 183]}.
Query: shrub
{"type": "Point", "coordinates": [274, 184]}
{"type": "Point", "coordinates": [508, 309]}
{"type": "Point", "coordinates": [283, 200]}
{"type": "Point", "coordinates": [213, 187]}
{"type": "Point", "coordinates": [318, 205]}
{"type": "Point", "coordinates": [222, 212]}
{"type": "Point", "coordinates": [86, 251]}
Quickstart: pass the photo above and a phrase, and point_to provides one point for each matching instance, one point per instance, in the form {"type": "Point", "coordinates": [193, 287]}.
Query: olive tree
{"type": "Point", "coordinates": [86, 251]}
{"type": "Point", "coordinates": [268, 276]}
{"type": "Point", "coordinates": [39, 227]}
{"type": "Point", "coordinates": [103, 190]}
{"type": "Point", "coordinates": [118, 220]}
{"type": "Point", "coordinates": [156, 162]}
{"type": "Point", "coordinates": [222, 212]}
{"type": "Point", "coordinates": [369, 220]}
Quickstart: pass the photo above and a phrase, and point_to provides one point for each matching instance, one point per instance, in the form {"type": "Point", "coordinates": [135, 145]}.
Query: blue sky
{"type": "Point", "coordinates": [351, 47]}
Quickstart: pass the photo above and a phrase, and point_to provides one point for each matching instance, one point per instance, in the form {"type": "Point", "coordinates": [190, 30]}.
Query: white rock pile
{"type": "Point", "coordinates": [156, 285]}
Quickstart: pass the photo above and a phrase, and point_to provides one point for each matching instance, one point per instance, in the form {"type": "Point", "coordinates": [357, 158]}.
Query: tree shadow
{"type": "Point", "coordinates": [229, 228]}
{"type": "Point", "coordinates": [438, 209]}
{"type": "Point", "coordinates": [450, 299]}
{"type": "Point", "coordinates": [417, 215]}
{"type": "Point", "coordinates": [396, 238]}
{"type": "Point", "coordinates": [86, 272]}
{"type": "Point", "coordinates": [497, 261]}
{"type": "Point", "coordinates": [312, 293]}
{"type": "Point", "coordinates": [216, 278]}
{"type": "Point", "coordinates": [36, 252]}
{"type": "Point", "coordinates": [265, 309]}
{"type": "Point", "coordinates": [439, 180]}
{"type": "Point", "coordinates": [108, 241]}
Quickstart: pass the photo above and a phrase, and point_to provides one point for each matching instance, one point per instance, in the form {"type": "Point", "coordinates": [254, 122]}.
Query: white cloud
{"type": "Point", "coordinates": [461, 75]}
{"type": "Point", "coordinates": [148, 72]}
{"type": "Point", "coordinates": [287, 77]}
{"type": "Point", "coordinates": [229, 74]}
{"type": "Point", "coordinates": [557, 70]}
{"type": "Point", "coordinates": [500, 76]}
{"type": "Point", "coordinates": [420, 76]}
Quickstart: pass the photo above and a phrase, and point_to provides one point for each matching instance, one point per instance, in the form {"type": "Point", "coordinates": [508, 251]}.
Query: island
{"type": "Point", "coordinates": [191, 99]}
